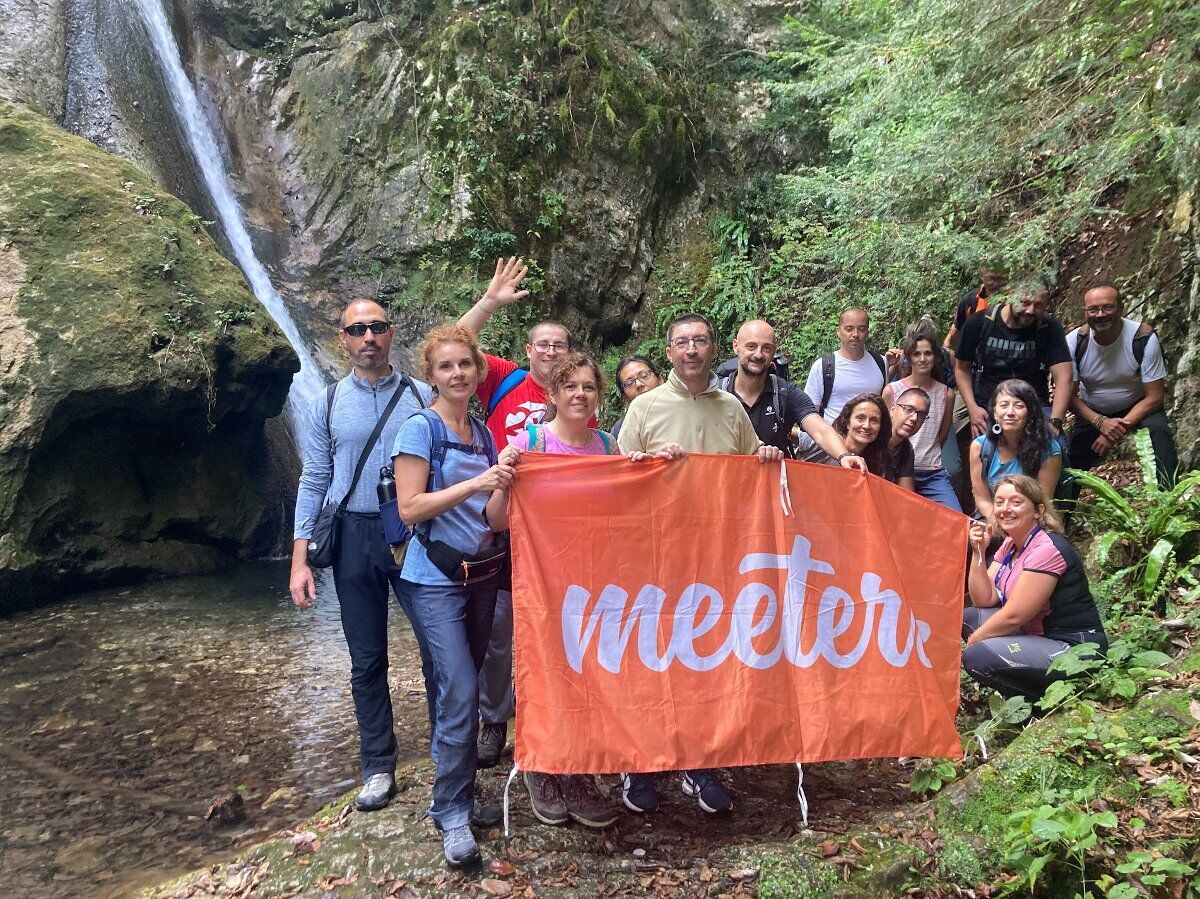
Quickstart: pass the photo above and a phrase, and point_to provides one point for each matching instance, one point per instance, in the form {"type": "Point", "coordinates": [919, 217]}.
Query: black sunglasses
{"type": "Point", "coordinates": [358, 329]}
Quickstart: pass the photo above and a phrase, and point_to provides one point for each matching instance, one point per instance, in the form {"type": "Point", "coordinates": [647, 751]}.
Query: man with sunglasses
{"type": "Point", "coordinates": [908, 412]}
{"type": "Point", "coordinates": [337, 427]}
{"type": "Point", "coordinates": [512, 397]}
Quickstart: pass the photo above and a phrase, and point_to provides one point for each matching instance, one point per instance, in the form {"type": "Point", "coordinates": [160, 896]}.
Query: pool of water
{"type": "Point", "coordinates": [125, 712]}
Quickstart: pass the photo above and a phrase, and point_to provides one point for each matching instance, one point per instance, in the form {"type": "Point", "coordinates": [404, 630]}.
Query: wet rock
{"type": "Point", "coordinates": [137, 371]}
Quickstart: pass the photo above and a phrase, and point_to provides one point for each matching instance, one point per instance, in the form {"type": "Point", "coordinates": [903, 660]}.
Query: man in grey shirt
{"type": "Point", "coordinates": [363, 567]}
{"type": "Point", "coordinates": [1121, 376]}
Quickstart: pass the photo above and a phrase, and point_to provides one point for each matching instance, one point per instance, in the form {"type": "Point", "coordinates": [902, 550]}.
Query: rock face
{"type": "Point", "coordinates": [32, 53]}
{"type": "Point", "coordinates": [136, 369]}
{"type": "Point", "coordinates": [395, 148]}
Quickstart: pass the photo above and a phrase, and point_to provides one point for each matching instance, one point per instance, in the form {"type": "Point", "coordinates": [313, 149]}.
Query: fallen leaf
{"type": "Point", "coordinates": [502, 867]}
{"type": "Point", "coordinates": [494, 887]}
{"type": "Point", "coordinates": [830, 848]}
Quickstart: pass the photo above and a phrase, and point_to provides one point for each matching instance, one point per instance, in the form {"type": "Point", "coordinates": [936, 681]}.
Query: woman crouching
{"type": "Point", "coordinates": [452, 488]}
{"type": "Point", "coordinates": [1033, 602]}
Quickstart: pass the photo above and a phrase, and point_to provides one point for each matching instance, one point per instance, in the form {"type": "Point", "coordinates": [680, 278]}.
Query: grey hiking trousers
{"type": "Point", "coordinates": [497, 701]}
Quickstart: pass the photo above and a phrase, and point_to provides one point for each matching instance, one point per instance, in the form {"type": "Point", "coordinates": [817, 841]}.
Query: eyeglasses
{"type": "Point", "coordinates": [358, 329]}
{"type": "Point", "coordinates": [682, 343]}
{"type": "Point", "coordinates": [910, 411]}
{"type": "Point", "coordinates": [632, 381]}
{"type": "Point", "coordinates": [545, 346]}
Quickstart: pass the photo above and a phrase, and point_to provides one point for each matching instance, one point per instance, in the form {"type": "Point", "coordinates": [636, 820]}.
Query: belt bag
{"type": "Point", "coordinates": [466, 568]}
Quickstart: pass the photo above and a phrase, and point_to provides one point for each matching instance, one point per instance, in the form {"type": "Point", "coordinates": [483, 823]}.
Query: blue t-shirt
{"type": "Point", "coordinates": [998, 469]}
{"type": "Point", "coordinates": [463, 527]}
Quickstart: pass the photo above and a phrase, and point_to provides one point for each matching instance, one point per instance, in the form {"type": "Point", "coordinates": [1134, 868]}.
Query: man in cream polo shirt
{"type": "Point", "coordinates": [689, 414]}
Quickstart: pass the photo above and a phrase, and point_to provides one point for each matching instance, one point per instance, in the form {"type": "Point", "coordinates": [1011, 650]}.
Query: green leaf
{"type": "Point", "coordinates": [1122, 891]}
{"type": "Point", "coordinates": [1104, 492]}
{"type": "Point", "coordinates": [1104, 547]}
{"type": "Point", "coordinates": [1157, 557]}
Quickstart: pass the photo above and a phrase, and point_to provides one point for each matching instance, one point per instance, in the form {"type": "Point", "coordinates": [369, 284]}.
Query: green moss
{"type": "Point", "coordinates": [796, 875]}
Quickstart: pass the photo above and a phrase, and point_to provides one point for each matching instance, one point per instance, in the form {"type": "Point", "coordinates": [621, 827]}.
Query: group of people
{"type": "Point", "coordinates": [898, 415]}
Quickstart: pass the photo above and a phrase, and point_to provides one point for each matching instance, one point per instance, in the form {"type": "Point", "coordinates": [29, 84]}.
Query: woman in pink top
{"type": "Point", "coordinates": [932, 481]}
{"type": "Point", "coordinates": [572, 395]}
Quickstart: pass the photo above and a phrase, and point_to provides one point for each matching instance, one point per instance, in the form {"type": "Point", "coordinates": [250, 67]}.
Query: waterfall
{"type": "Point", "coordinates": [308, 382]}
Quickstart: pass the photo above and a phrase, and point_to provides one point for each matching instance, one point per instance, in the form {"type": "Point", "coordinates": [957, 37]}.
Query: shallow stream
{"type": "Point", "coordinates": [124, 713]}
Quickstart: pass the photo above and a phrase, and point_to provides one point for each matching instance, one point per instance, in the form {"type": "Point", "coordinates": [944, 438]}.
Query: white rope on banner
{"type": "Point", "coordinates": [785, 495]}
{"type": "Point", "coordinates": [508, 783]}
{"type": "Point", "coordinates": [800, 797]}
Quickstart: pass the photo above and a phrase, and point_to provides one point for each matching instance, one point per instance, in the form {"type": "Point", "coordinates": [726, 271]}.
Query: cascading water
{"type": "Point", "coordinates": [308, 382]}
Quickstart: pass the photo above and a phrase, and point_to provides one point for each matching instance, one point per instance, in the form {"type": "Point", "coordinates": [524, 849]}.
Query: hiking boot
{"type": "Point", "coordinates": [638, 792]}
{"type": "Point", "coordinates": [545, 797]}
{"type": "Point", "coordinates": [708, 790]}
{"type": "Point", "coordinates": [458, 843]}
{"type": "Point", "coordinates": [484, 813]}
{"type": "Point", "coordinates": [584, 802]}
{"type": "Point", "coordinates": [492, 738]}
{"type": "Point", "coordinates": [376, 792]}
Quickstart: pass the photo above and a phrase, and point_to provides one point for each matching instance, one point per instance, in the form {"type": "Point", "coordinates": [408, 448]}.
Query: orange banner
{"type": "Point", "coordinates": [672, 615]}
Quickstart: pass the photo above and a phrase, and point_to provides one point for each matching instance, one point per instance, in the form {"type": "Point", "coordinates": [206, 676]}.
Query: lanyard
{"type": "Point", "coordinates": [1012, 556]}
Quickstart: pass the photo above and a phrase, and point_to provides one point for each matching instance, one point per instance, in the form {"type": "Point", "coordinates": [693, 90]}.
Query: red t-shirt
{"type": "Point", "coordinates": [524, 404]}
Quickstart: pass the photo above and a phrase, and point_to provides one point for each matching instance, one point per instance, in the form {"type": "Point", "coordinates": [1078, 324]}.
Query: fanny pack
{"type": "Point", "coordinates": [464, 568]}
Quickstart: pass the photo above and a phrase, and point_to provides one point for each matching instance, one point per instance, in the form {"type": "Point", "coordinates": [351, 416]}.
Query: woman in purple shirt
{"type": "Point", "coordinates": [1033, 603]}
{"type": "Point", "coordinates": [572, 395]}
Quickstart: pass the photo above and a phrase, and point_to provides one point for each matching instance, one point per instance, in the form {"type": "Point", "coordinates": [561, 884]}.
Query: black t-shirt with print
{"type": "Point", "coordinates": [900, 462]}
{"type": "Point", "coordinates": [1025, 353]}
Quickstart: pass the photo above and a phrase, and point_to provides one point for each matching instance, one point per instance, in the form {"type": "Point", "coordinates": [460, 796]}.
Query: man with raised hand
{"type": "Point", "coordinates": [512, 398]}
{"type": "Point", "coordinates": [850, 370]}
{"type": "Point", "coordinates": [689, 413]}
{"type": "Point", "coordinates": [773, 405]}
{"type": "Point", "coordinates": [337, 427]}
{"type": "Point", "coordinates": [1015, 339]}
{"type": "Point", "coordinates": [1118, 365]}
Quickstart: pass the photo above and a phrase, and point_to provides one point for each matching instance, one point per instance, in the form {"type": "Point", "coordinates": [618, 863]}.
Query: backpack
{"type": "Point", "coordinates": [505, 387]}
{"type": "Point", "coordinates": [829, 367]}
{"type": "Point", "coordinates": [1140, 339]}
{"type": "Point", "coordinates": [727, 386]}
{"type": "Point", "coordinates": [441, 441]}
{"type": "Point", "coordinates": [537, 439]}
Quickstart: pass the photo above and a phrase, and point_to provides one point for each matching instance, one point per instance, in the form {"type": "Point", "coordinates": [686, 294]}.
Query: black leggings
{"type": "Point", "coordinates": [1016, 665]}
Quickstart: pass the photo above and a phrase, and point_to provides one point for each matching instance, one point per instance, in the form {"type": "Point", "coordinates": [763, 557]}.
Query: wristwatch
{"type": "Point", "coordinates": [1057, 424]}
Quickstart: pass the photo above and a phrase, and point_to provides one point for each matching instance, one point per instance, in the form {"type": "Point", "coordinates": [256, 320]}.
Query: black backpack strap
{"type": "Point", "coordinates": [827, 369]}
{"type": "Point", "coordinates": [775, 396]}
{"type": "Point", "coordinates": [330, 393]}
{"type": "Point", "coordinates": [987, 452]}
{"type": "Point", "coordinates": [985, 331]}
{"type": "Point", "coordinates": [371, 441]}
{"type": "Point", "coordinates": [412, 385]}
{"type": "Point", "coordinates": [1140, 339]}
{"type": "Point", "coordinates": [1082, 339]}
{"type": "Point", "coordinates": [880, 363]}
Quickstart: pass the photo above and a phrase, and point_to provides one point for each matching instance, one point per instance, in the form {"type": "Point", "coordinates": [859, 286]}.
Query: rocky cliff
{"type": "Point", "coordinates": [137, 371]}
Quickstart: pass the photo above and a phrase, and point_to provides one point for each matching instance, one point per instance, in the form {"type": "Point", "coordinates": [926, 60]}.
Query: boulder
{"type": "Point", "coordinates": [137, 371]}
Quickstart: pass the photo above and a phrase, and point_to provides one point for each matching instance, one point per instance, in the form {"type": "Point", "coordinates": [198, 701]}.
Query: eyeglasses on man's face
{"type": "Point", "coordinates": [358, 329]}
{"type": "Point", "coordinates": [634, 380]}
{"type": "Point", "coordinates": [911, 411]}
{"type": "Point", "coordinates": [546, 346]}
{"type": "Point", "coordinates": [682, 343]}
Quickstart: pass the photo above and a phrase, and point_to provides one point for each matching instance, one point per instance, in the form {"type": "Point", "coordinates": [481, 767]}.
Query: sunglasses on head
{"type": "Point", "coordinates": [358, 329]}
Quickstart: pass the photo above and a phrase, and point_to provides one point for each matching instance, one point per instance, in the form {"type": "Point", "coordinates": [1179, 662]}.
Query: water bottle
{"type": "Point", "coordinates": [394, 530]}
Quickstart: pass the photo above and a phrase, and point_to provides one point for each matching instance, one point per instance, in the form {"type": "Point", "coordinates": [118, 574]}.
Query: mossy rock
{"type": "Point", "coordinates": [137, 370]}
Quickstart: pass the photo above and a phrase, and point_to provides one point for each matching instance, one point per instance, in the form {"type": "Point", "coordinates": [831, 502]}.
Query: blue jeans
{"type": "Point", "coordinates": [934, 484]}
{"type": "Point", "coordinates": [456, 622]}
{"type": "Point", "coordinates": [363, 570]}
